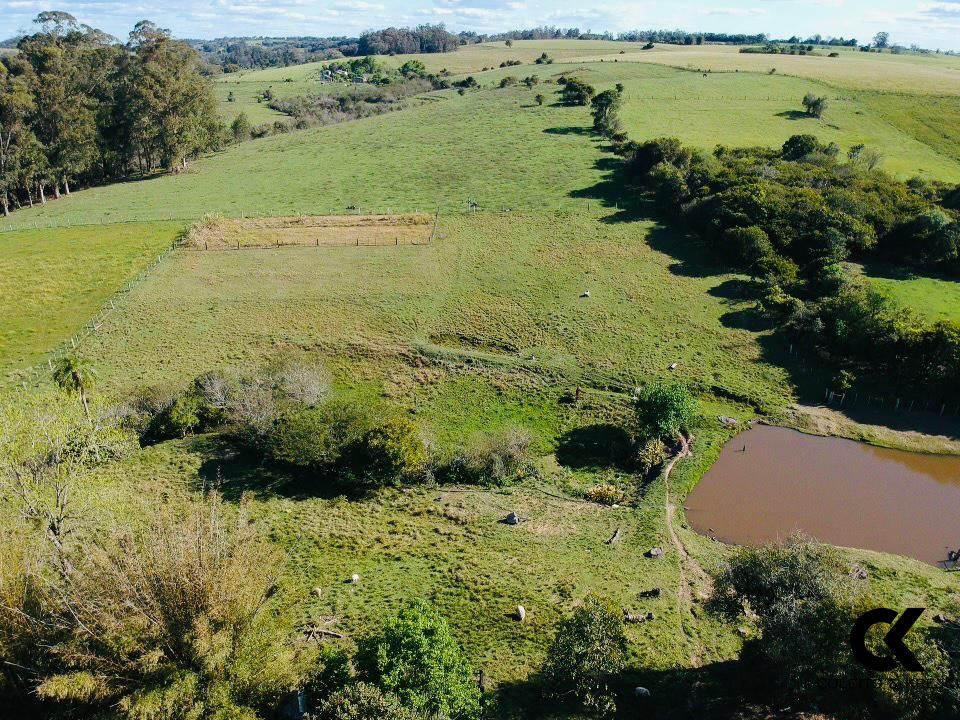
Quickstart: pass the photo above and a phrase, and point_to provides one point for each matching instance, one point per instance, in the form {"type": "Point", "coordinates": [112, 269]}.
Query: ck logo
{"type": "Point", "coordinates": [893, 639]}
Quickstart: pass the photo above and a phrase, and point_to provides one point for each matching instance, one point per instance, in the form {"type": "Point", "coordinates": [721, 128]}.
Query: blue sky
{"type": "Point", "coordinates": [931, 24]}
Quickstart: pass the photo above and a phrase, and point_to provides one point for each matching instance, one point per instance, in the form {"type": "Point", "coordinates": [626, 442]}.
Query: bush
{"type": "Point", "coordinates": [652, 454]}
{"type": "Point", "coordinates": [664, 411]}
{"type": "Point", "coordinates": [605, 494]}
{"type": "Point", "coordinates": [416, 658]}
{"type": "Point", "coordinates": [576, 92]}
{"type": "Point", "coordinates": [646, 156]}
{"type": "Point", "coordinates": [587, 654]}
{"type": "Point", "coordinates": [393, 452]}
{"type": "Point", "coordinates": [806, 604]}
{"type": "Point", "coordinates": [179, 618]}
{"type": "Point", "coordinates": [363, 701]}
{"type": "Point", "coordinates": [319, 438]}
{"type": "Point", "coordinates": [499, 458]}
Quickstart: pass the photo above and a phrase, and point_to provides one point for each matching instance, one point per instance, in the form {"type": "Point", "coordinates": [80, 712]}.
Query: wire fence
{"type": "Point", "coordinates": [452, 208]}
{"type": "Point", "coordinates": [25, 377]}
{"type": "Point", "coordinates": [32, 375]}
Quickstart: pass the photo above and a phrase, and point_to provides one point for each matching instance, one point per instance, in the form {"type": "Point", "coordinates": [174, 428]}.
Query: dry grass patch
{"type": "Point", "coordinates": [215, 232]}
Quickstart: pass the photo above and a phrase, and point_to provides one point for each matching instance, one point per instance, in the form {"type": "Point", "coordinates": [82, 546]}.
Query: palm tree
{"type": "Point", "coordinates": [75, 375]}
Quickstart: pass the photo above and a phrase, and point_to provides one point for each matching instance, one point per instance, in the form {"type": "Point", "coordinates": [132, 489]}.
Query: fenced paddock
{"type": "Point", "coordinates": [218, 233]}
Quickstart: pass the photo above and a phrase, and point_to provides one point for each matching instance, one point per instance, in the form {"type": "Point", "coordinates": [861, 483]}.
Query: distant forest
{"type": "Point", "coordinates": [233, 54]}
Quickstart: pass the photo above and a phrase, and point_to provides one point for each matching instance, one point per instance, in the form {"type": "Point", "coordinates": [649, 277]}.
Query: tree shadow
{"type": "Point", "coordinates": [795, 115]}
{"type": "Point", "coordinates": [718, 691]}
{"type": "Point", "coordinates": [235, 472]}
{"type": "Point", "coordinates": [569, 130]}
{"type": "Point", "coordinates": [595, 447]}
{"type": "Point", "coordinates": [693, 258]}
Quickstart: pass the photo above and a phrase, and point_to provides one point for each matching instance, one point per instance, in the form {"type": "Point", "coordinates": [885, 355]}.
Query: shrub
{"type": "Point", "coordinates": [302, 382]}
{"type": "Point", "coordinates": [587, 654]}
{"type": "Point", "coordinates": [508, 81]}
{"type": "Point", "coordinates": [179, 618]}
{"type": "Point", "coordinates": [806, 604]}
{"type": "Point", "coordinates": [393, 452]}
{"type": "Point", "coordinates": [814, 105]}
{"type": "Point", "coordinates": [664, 411]}
{"type": "Point", "coordinates": [651, 455]}
{"type": "Point", "coordinates": [319, 438]}
{"type": "Point", "coordinates": [605, 494]}
{"type": "Point", "coordinates": [576, 92]}
{"type": "Point", "coordinates": [798, 147]}
{"type": "Point", "coordinates": [646, 156]}
{"type": "Point", "coordinates": [539, 99]}
{"type": "Point", "coordinates": [362, 701]}
{"type": "Point", "coordinates": [498, 458]}
{"type": "Point", "coordinates": [416, 658]}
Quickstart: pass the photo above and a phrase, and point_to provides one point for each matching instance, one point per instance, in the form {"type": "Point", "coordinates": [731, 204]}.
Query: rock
{"type": "Point", "coordinates": [513, 519]}
{"type": "Point", "coordinates": [641, 692]}
{"type": "Point", "coordinates": [728, 421]}
{"type": "Point", "coordinates": [521, 613]}
{"type": "Point", "coordinates": [858, 573]}
{"type": "Point", "coordinates": [654, 552]}
{"type": "Point", "coordinates": [650, 616]}
{"type": "Point", "coordinates": [653, 593]}
{"type": "Point", "coordinates": [585, 294]}
{"type": "Point", "coordinates": [354, 578]}
{"type": "Point", "coordinates": [318, 592]}
{"type": "Point", "coordinates": [742, 632]}
{"type": "Point", "coordinates": [674, 366]}
{"type": "Point", "coordinates": [940, 618]}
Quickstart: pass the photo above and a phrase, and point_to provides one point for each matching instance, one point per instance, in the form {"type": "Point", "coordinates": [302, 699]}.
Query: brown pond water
{"type": "Point", "coordinates": [839, 491]}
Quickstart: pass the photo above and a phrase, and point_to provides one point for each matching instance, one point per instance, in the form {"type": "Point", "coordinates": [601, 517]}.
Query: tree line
{"type": "Point", "coordinates": [235, 54]}
{"type": "Point", "coordinates": [421, 39]}
{"type": "Point", "coordinates": [792, 218]}
{"type": "Point", "coordinates": [77, 108]}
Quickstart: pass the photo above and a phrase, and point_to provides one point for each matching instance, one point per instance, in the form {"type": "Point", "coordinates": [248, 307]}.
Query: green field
{"type": "Point", "coordinates": [495, 147]}
{"type": "Point", "coordinates": [933, 298]}
{"type": "Point", "coordinates": [53, 281]}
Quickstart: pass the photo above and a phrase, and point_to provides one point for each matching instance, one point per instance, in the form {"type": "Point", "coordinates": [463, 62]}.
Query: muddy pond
{"type": "Point", "coordinates": [771, 482]}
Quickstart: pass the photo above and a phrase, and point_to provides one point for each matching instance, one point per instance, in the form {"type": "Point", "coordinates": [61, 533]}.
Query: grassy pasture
{"type": "Point", "coordinates": [743, 109]}
{"type": "Point", "coordinates": [495, 147]}
{"type": "Point", "coordinates": [933, 298]}
{"type": "Point", "coordinates": [491, 289]}
{"type": "Point", "coordinates": [909, 74]}
{"type": "Point", "coordinates": [485, 327]}
{"type": "Point", "coordinates": [54, 281]}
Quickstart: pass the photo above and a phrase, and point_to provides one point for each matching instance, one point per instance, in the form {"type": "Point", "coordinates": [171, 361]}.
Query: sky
{"type": "Point", "coordinates": [931, 24]}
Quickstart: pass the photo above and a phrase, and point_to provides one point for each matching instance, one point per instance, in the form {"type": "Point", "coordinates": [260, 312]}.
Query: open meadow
{"type": "Point", "coordinates": [471, 264]}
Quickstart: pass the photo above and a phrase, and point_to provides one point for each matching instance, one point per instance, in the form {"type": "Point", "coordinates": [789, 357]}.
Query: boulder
{"type": "Point", "coordinates": [654, 552]}
{"type": "Point", "coordinates": [521, 613]}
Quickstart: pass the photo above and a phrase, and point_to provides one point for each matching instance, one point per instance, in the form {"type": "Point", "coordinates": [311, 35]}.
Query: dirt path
{"type": "Point", "coordinates": [694, 580]}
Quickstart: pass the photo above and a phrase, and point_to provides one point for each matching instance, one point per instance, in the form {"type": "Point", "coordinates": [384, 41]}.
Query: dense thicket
{"type": "Point", "coordinates": [421, 39]}
{"type": "Point", "coordinates": [76, 107]}
{"type": "Point", "coordinates": [797, 601]}
{"type": "Point", "coordinates": [792, 217]}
